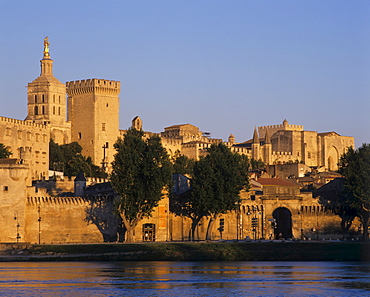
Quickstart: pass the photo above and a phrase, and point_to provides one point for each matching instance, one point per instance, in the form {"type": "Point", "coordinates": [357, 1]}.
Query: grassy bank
{"type": "Point", "coordinates": [205, 251]}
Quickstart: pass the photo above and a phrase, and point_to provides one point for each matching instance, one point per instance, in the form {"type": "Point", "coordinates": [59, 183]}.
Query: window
{"type": "Point", "coordinates": [53, 109]}
{"type": "Point", "coordinates": [8, 132]}
{"type": "Point", "coordinates": [36, 110]}
{"type": "Point", "coordinates": [35, 98]}
{"type": "Point", "coordinates": [43, 109]}
{"type": "Point", "coordinates": [29, 136]}
{"type": "Point", "coordinates": [79, 135]}
{"type": "Point", "coordinates": [58, 110]}
{"type": "Point", "coordinates": [44, 138]}
{"type": "Point", "coordinates": [37, 137]}
{"type": "Point", "coordinates": [309, 155]}
{"type": "Point", "coordinates": [53, 98]}
{"type": "Point", "coordinates": [43, 98]}
{"type": "Point", "coordinates": [6, 188]}
{"type": "Point", "coordinates": [103, 126]}
{"type": "Point", "coordinates": [19, 134]}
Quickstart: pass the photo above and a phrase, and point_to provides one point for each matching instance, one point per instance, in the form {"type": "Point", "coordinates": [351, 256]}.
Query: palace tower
{"type": "Point", "coordinates": [93, 109]}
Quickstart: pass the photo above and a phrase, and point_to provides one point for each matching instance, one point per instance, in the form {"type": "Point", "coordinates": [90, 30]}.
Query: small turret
{"type": "Point", "coordinates": [80, 185]}
{"type": "Point", "coordinates": [255, 136]}
{"type": "Point", "coordinates": [267, 137]}
{"type": "Point", "coordinates": [231, 139]}
{"type": "Point", "coordinates": [255, 145]}
{"type": "Point", "coordinates": [137, 123]}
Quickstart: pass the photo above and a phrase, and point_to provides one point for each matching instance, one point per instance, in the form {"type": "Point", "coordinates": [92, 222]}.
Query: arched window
{"type": "Point", "coordinates": [43, 98]}
{"type": "Point", "coordinates": [59, 99]}
{"type": "Point", "coordinates": [35, 98]}
{"type": "Point", "coordinates": [53, 109]}
{"type": "Point", "coordinates": [58, 110]}
{"type": "Point", "coordinates": [43, 109]}
{"type": "Point", "coordinates": [54, 98]}
{"type": "Point", "coordinates": [36, 110]}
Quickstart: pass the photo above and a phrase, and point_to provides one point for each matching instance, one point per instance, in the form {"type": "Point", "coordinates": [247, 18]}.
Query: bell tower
{"type": "Point", "coordinates": [47, 95]}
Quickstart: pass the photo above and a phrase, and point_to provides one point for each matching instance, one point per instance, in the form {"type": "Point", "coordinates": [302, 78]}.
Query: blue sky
{"type": "Point", "coordinates": [224, 66]}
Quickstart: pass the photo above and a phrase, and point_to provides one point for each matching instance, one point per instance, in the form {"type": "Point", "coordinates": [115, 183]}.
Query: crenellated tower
{"type": "Point", "coordinates": [93, 110]}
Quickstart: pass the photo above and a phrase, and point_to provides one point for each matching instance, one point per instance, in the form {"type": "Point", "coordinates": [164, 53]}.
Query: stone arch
{"type": "Point", "coordinates": [283, 219]}
{"type": "Point", "coordinates": [332, 158]}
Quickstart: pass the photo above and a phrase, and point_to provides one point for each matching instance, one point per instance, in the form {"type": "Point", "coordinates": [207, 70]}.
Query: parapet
{"type": "Point", "coordinates": [24, 123]}
{"type": "Point", "coordinates": [94, 85]}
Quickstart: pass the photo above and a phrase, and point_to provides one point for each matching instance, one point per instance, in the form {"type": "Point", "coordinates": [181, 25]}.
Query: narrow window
{"type": "Point", "coordinates": [79, 135]}
{"type": "Point", "coordinates": [36, 110]}
{"type": "Point", "coordinates": [43, 99]}
{"type": "Point", "coordinates": [35, 98]}
{"type": "Point", "coordinates": [58, 110]}
{"type": "Point", "coordinates": [53, 98]}
{"type": "Point", "coordinates": [53, 109]}
{"type": "Point", "coordinates": [103, 126]}
{"type": "Point", "coordinates": [43, 109]}
{"type": "Point", "coordinates": [19, 134]}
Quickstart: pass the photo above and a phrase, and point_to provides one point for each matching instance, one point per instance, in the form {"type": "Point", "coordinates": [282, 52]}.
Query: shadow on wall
{"type": "Point", "coordinates": [101, 213]}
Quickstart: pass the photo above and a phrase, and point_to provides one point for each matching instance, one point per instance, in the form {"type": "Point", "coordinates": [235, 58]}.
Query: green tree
{"type": "Point", "coordinates": [216, 184]}
{"type": "Point", "coordinates": [182, 164]}
{"type": "Point", "coordinates": [332, 196]}
{"type": "Point", "coordinates": [355, 167]}
{"type": "Point", "coordinates": [4, 152]}
{"type": "Point", "coordinates": [68, 158]}
{"type": "Point", "coordinates": [141, 173]}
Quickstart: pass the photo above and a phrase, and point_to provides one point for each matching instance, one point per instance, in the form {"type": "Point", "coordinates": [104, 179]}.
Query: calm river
{"type": "Point", "coordinates": [185, 279]}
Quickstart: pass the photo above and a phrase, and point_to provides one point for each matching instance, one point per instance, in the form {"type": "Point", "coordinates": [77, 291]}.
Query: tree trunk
{"type": "Point", "coordinates": [130, 234]}
{"type": "Point", "coordinates": [365, 216]}
{"type": "Point", "coordinates": [211, 222]}
{"type": "Point", "coordinates": [194, 224]}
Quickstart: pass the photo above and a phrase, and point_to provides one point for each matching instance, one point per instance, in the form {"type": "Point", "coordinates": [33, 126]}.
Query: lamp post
{"type": "Point", "coordinates": [39, 220]}
{"type": "Point", "coordinates": [17, 226]}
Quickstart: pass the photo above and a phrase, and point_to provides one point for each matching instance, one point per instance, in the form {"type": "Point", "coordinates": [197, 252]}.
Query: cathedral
{"type": "Point", "coordinates": [86, 111]}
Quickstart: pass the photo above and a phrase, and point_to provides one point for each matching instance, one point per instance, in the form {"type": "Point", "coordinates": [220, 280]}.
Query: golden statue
{"type": "Point", "coordinates": [46, 47]}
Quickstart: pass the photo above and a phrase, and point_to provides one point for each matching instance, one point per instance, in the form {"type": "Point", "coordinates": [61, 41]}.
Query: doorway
{"type": "Point", "coordinates": [283, 219]}
{"type": "Point", "coordinates": [148, 232]}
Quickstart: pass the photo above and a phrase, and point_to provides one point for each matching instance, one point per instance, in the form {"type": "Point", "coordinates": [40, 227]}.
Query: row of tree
{"type": "Point", "coordinates": [142, 174]}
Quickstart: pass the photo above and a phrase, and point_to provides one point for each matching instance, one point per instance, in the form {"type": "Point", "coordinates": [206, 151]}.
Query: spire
{"type": "Point", "coordinates": [255, 136]}
{"type": "Point", "coordinates": [267, 137]}
{"type": "Point", "coordinates": [46, 62]}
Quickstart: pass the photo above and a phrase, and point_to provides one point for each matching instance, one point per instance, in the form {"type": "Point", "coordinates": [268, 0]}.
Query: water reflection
{"type": "Point", "coordinates": [185, 279]}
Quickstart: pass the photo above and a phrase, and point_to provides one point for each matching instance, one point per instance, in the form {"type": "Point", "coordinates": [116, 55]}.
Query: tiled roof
{"type": "Point", "coordinates": [275, 182]}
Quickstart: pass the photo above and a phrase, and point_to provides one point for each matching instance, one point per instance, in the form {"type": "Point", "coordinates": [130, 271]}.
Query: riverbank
{"type": "Point", "coordinates": [190, 251]}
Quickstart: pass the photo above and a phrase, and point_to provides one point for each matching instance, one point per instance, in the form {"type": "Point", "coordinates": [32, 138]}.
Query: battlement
{"type": "Point", "coordinates": [24, 123]}
{"type": "Point", "coordinates": [56, 200]}
{"type": "Point", "coordinates": [93, 85]}
{"type": "Point", "coordinates": [282, 127]}
{"type": "Point", "coordinates": [274, 128]}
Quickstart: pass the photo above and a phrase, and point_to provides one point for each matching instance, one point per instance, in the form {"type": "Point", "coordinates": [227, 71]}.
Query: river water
{"type": "Point", "coordinates": [184, 279]}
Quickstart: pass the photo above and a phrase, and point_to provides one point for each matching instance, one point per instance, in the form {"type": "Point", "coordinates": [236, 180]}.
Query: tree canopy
{"type": "Point", "coordinates": [68, 158]}
{"type": "Point", "coordinates": [4, 152]}
{"type": "Point", "coordinates": [355, 167]}
{"type": "Point", "coordinates": [182, 164]}
{"type": "Point", "coordinates": [141, 171]}
{"type": "Point", "coordinates": [217, 181]}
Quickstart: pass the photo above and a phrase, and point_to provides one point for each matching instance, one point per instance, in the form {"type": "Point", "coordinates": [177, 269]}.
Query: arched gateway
{"type": "Point", "coordinates": [283, 219]}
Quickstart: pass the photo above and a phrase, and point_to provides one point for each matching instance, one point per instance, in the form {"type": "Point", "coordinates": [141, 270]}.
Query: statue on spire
{"type": "Point", "coordinates": [46, 47]}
